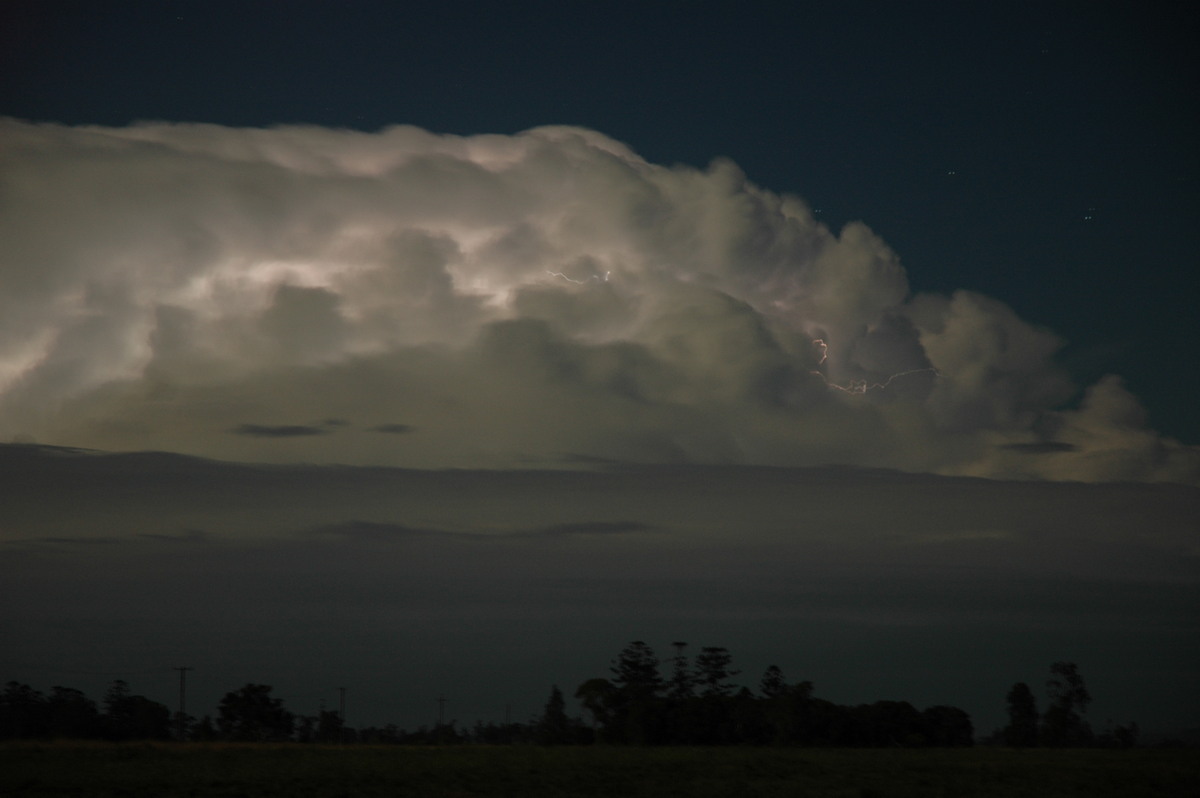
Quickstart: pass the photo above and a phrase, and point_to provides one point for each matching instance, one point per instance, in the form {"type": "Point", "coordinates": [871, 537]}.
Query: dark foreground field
{"type": "Point", "coordinates": [132, 770]}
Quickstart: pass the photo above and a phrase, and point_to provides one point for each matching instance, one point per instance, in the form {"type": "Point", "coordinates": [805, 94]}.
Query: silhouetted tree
{"type": "Point", "coordinates": [636, 671]}
{"type": "Point", "coordinates": [1121, 736]}
{"type": "Point", "coordinates": [392, 735]}
{"type": "Point", "coordinates": [1068, 698]}
{"type": "Point", "coordinates": [134, 717]}
{"type": "Point", "coordinates": [888, 723]}
{"type": "Point", "coordinates": [553, 728]}
{"type": "Point", "coordinates": [182, 724]}
{"type": "Point", "coordinates": [772, 684]}
{"type": "Point", "coordinates": [709, 719]}
{"type": "Point", "coordinates": [948, 727]}
{"type": "Point", "coordinates": [633, 709]}
{"type": "Point", "coordinates": [72, 714]}
{"type": "Point", "coordinates": [445, 734]}
{"type": "Point", "coordinates": [251, 714]}
{"type": "Point", "coordinates": [598, 696]}
{"type": "Point", "coordinates": [713, 672]}
{"type": "Point", "coordinates": [637, 713]}
{"type": "Point", "coordinates": [304, 728]}
{"type": "Point", "coordinates": [116, 707]}
{"type": "Point", "coordinates": [23, 712]}
{"type": "Point", "coordinates": [204, 731]}
{"type": "Point", "coordinates": [747, 718]}
{"type": "Point", "coordinates": [330, 728]}
{"type": "Point", "coordinates": [790, 714]}
{"type": "Point", "coordinates": [831, 724]}
{"type": "Point", "coordinates": [1022, 728]}
{"type": "Point", "coordinates": [682, 683]}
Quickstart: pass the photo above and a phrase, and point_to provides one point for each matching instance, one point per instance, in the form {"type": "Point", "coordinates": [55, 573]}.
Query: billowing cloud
{"type": "Point", "coordinates": [536, 298]}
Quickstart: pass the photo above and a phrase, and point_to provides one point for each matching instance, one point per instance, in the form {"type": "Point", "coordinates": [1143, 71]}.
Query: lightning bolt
{"type": "Point", "coordinates": [595, 278]}
{"type": "Point", "coordinates": [859, 387]}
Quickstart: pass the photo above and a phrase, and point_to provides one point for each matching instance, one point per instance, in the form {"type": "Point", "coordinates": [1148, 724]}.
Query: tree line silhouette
{"type": "Point", "coordinates": [698, 703]}
{"type": "Point", "coordinates": [1062, 724]}
{"type": "Point", "coordinates": [695, 703]}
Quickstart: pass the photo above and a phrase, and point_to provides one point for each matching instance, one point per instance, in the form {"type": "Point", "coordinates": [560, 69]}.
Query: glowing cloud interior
{"type": "Point", "coordinates": [505, 300]}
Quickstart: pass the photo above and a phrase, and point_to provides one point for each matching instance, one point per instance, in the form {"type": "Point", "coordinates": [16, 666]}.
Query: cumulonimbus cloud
{"type": "Point", "coordinates": [534, 298]}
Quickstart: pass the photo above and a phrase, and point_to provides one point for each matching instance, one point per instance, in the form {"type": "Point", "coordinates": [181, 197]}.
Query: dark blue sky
{"type": "Point", "coordinates": [1041, 153]}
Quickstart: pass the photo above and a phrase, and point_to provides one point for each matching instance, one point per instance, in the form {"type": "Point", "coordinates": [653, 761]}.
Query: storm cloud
{"type": "Point", "coordinates": [543, 298]}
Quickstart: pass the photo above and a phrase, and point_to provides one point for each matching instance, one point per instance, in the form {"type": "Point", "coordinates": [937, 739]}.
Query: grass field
{"type": "Point", "coordinates": [134, 770]}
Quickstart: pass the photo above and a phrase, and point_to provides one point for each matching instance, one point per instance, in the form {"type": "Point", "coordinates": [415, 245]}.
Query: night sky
{"type": "Point", "coordinates": [476, 340]}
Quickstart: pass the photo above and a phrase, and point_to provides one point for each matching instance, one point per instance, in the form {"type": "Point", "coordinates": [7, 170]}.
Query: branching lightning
{"type": "Point", "coordinates": [595, 278]}
{"type": "Point", "coordinates": [860, 387]}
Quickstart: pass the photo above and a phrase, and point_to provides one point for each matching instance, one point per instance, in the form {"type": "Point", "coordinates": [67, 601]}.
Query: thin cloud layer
{"type": "Point", "coordinates": [501, 301]}
{"type": "Point", "coordinates": [489, 585]}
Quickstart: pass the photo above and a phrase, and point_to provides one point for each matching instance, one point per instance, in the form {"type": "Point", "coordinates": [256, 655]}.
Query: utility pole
{"type": "Point", "coordinates": [181, 719]}
{"type": "Point", "coordinates": [441, 699]}
{"type": "Point", "coordinates": [341, 714]}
